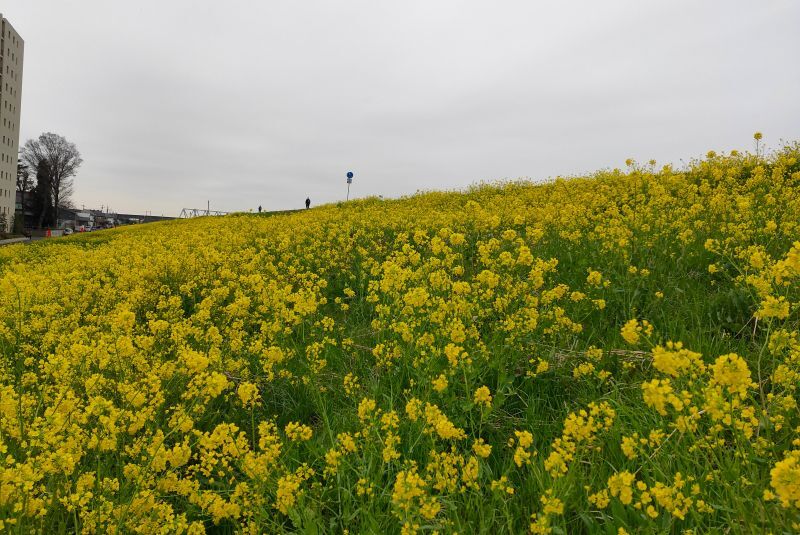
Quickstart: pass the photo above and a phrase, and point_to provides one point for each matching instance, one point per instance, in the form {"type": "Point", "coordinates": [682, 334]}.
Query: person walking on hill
{"type": "Point", "coordinates": [308, 203]}
{"type": "Point", "coordinates": [259, 208]}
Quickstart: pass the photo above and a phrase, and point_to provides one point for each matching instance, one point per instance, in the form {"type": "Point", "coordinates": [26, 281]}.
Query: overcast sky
{"type": "Point", "coordinates": [240, 103]}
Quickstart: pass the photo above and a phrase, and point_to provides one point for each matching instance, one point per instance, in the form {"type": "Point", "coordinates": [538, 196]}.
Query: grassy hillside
{"type": "Point", "coordinates": [611, 354]}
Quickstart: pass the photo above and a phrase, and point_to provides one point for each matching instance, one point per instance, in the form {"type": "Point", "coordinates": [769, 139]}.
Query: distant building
{"type": "Point", "coordinates": [11, 52]}
{"type": "Point", "coordinates": [81, 220]}
{"type": "Point", "coordinates": [131, 219]}
{"type": "Point", "coordinates": [76, 219]}
{"type": "Point", "coordinates": [24, 211]}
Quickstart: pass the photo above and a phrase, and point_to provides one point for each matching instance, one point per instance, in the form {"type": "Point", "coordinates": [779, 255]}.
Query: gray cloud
{"type": "Point", "coordinates": [242, 103]}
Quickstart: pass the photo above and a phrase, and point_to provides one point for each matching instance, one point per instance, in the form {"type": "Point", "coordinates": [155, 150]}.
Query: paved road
{"type": "Point", "coordinates": [14, 240]}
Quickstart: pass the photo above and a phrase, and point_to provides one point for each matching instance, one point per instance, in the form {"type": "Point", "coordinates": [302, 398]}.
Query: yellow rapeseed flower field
{"type": "Point", "coordinates": [617, 353]}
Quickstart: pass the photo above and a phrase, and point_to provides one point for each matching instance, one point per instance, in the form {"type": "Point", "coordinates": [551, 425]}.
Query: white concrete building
{"type": "Point", "coordinates": [11, 54]}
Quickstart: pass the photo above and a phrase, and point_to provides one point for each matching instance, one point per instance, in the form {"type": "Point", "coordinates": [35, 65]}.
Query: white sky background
{"type": "Point", "coordinates": [175, 103]}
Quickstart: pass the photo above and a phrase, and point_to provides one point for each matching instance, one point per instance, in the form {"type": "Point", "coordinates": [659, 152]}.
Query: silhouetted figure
{"type": "Point", "coordinates": [308, 203]}
{"type": "Point", "coordinates": [259, 208]}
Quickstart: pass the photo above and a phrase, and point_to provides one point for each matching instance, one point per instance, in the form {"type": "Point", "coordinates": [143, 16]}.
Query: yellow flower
{"type": "Point", "coordinates": [658, 393]}
{"type": "Point", "coordinates": [524, 441]}
{"type": "Point", "coordinates": [629, 446]}
{"type": "Point", "coordinates": [332, 461]}
{"type": "Point", "coordinates": [289, 489]}
{"type": "Point", "coordinates": [773, 307]}
{"type": "Point", "coordinates": [455, 354]}
{"type": "Point", "coordinates": [600, 499]}
{"type": "Point", "coordinates": [365, 409]}
{"type": "Point", "coordinates": [731, 371]}
{"type": "Point", "coordinates": [785, 479]}
{"type": "Point", "coordinates": [297, 432]}
{"type": "Point", "coordinates": [440, 424]}
{"type": "Point", "coordinates": [552, 505]}
{"type": "Point", "coordinates": [482, 449]}
{"type": "Point", "coordinates": [585, 368]}
{"type": "Point", "coordinates": [524, 438]}
{"type": "Point", "coordinates": [675, 360]}
{"type": "Point", "coordinates": [364, 487]}
{"type": "Point", "coordinates": [347, 442]}
{"type": "Point", "coordinates": [440, 383]}
{"type": "Point", "coordinates": [248, 394]}
{"type": "Point", "coordinates": [501, 485]}
{"type": "Point", "coordinates": [620, 485]}
{"type": "Point", "coordinates": [408, 487]}
{"type": "Point", "coordinates": [390, 443]}
{"type": "Point", "coordinates": [351, 384]}
{"type": "Point", "coordinates": [540, 525]}
{"type": "Point", "coordinates": [630, 331]}
{"type": "Point", "coordinates": [430, 508]}
{"type": "Point", "coordinates": [541, 367]}
{"type": "Point", "coordinates": [413, 409]}
{"type": "Point", "coordinates": [483, 397]}
{"type": "Point", "coordinates": [129, 359]}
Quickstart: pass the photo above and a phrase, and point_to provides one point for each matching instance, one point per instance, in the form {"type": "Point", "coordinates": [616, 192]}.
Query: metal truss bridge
{"type": "Point", "coordinates": [188, 213]}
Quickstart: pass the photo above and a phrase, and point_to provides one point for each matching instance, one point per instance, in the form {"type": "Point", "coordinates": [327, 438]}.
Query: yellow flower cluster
{"type": "Point", "coordinates": [297, 432]}
{"type": "Point", "coordinates": [580, 432]}
{"type": "Point", "coordinates": [785, 479]}
{"type": "Point", "coordinates": [456, 362]}
{"type": "Point", "coordinates": [483, 396]}
{"type": "Point", "coordinates": [634, 329]}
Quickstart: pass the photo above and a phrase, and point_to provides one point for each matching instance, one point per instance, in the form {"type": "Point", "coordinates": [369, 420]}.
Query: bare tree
{"type": "Point", "coordinates": [25, 184]}
{"type": "Point", "coordinates": [24, 179]}
{"type": "Point", "coordinates": [61, 159]}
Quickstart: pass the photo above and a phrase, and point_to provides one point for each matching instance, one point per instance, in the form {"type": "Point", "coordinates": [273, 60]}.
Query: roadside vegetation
{"type": "Point", "coordinates": [617, 353]}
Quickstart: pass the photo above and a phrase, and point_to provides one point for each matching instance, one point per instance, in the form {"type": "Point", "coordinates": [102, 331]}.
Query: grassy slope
{"type": "Point", "coordinates": [59, 294]}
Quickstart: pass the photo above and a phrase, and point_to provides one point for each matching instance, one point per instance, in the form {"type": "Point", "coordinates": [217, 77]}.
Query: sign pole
{"type": "Point", "coordinates": [349, 181]}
